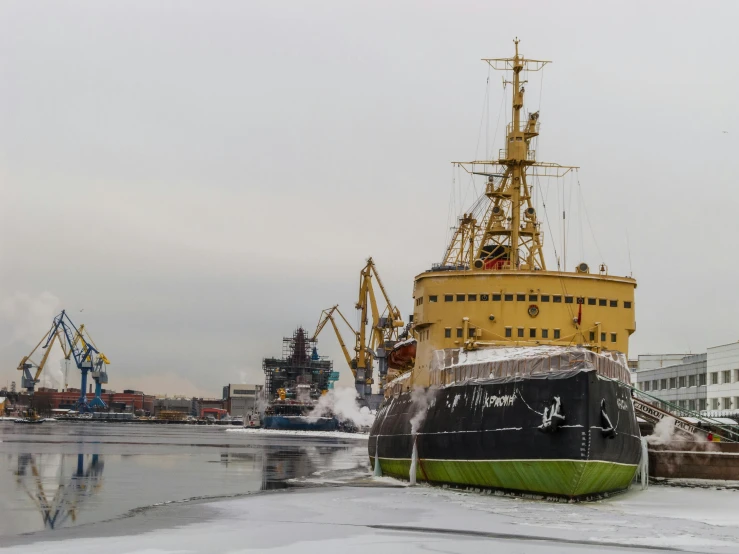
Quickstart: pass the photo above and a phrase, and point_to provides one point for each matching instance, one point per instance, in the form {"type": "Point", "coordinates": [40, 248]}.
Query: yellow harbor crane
{"type": "Point", "coordinates": [369, 344]}
{"type": "Point", "coordinates": [28, 380]}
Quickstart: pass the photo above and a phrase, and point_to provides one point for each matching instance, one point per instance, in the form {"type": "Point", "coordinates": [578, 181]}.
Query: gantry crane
{"type": "Point", "coordinates": [99, 371]}
{"type": "Point", "coordinates": [369, 344]}
{"type": "Point", "coordinates": [86, 356]}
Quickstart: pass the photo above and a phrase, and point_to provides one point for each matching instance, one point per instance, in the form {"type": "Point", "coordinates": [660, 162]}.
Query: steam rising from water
{"type": "Point", "coordinates": [420, 400]}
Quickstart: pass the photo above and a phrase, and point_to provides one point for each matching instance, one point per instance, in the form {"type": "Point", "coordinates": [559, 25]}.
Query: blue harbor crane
{"type": "Point", "coordinates": [87, 358]}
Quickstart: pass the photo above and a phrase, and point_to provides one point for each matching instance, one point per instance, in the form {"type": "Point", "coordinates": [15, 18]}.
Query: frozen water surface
{"type": "Point", "coordinates": [333, 504]}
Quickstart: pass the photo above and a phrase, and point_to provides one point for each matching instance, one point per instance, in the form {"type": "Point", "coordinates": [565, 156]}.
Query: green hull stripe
{"type": "Point", "coordinates": [562, 477]}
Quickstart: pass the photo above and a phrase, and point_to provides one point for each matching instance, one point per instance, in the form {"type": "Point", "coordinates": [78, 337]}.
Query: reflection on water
{"type": "Point", "coordinates": [59, 487]}
{"type": "Point", "coordinates": [66, 475]}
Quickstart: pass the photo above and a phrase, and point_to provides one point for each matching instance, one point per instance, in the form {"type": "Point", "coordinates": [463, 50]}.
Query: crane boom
{"type": "Point", "coordinates": [327, 316]}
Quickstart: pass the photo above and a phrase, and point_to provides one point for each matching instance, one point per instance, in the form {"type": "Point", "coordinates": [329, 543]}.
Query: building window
{"type": "Point", "coordinates": [663, 384]}
{"type": "Point", "coordinates": [726, 403]}
{"type": "Point", "coordinates": [508, 297]}
{"type": "Point", "coordinates": [591, 301]}
{"type": "Point", "coordinates": [520, 332]}
{"type": "Point", "coordinates": [736, 375]}
{"type": "Point", "coordinates": [569, 299]}
{"type": "Point", "coordinates": [702, 380]}
{"type": "Point", "coordinates": [613, 337]}
{"type": "Point", "coordinates": [681, 404]}
{"type": "Point", "coordinates": [433, 298]}
{"type": "Point", "coordinates": [448, 333]}
{"type": "Point", "coordinates": [448, 297]}
{"type": "Point", "coordinates": [602, 302]}
{"type": "Point", "coordinates": [556, 333]}
{"type": "Point", "coordinates": [655, 384]}
{"type": "Point", "coordinates": [602, 337]}
{"type": "Point", "coordinates": [545, 298]}
{"type": "Point", "coordinates": [714, 378]}
{"type": "Point", "coordinates": [496, 298]}
{"type": "Point", "coordinates": [592, 336]}
{"type": "Point", "coordinates": [701, 404]}
{"type": "Point", "coordinates": [557, 299]}
{"type": "Point", "coordinates": [460, 298]}
{"type": "Point", "coordinates": [714, 403]}
{"type": "Point", "coordinates": [508, 332]}
{"type": "Point", "coordinates": [532, 333]}
{"type": "Point", "coordinates": [691, 405]}
{"type": "Point", "coordinates": [727, 376]}
{"type": "Point", "coordinates": [484, 297]}
{"type": "Point", "coordinates": [673, 382]}
{"type": "Point", "coordinates": [681, 382]}
{"type": "Point", "coordinates": [545, 333]}
{"type": "Point", "coordinates": [645, 386]}
{"type": "Point", "coordinates": [736, 401]}
{"type": "Point", "coordinates": [691, 380]}
{"type": "Point", "coordinates": [533, 298]}
{"type": "Point", "coordinates": [627, 304]}
{"type": "Point", "coordinates": [459, 333]}
{"type": "Point", "coordinates": [614, 303]}
{"type": "Point", "coordinates": [472, 297]}
{"type": "Point", "coordinates": [521, 297]}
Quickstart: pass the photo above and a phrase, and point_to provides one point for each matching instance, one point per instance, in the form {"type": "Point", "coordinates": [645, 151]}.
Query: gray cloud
{"type": "Point", "coordinates": [203, 177]}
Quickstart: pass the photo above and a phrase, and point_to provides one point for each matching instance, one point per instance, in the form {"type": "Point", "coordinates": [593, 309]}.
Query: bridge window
{"type": "Point", "coordinates": [533, 297]}
{"type": "Point", "coordinates": [532, 333]}
{"type": "Point", "coordinates": [484, 297]}
{"type": "Point", "coordinates": [433, 298]}
{"type": "Point", "coordinates": [602, 302]}
{"type": "Point", "coordinates": [545, 298]}
{"type": "Point", "coordinates": [557, 299]}
{"type": "Point", "coordinates": [545, 333]}
{"type": "Point", "coordinates": [508, 332]}
{"type": "Point", "coordinates": [448, 333]}
{"type": "Point", "coordinates": [556, 333]}
{"type": "Point", "coordinates": [591, 301]}
{"type": "Point", "coordinates": [472, 297]}
{"type": "Point", "coordinates": [568, 299]}
{"type": "Point", "coordinates": [613, 337]}
{"type": "Point", "coordinates": [520, 332]}
{"type": "Point", "coordinates": [627, 304]}
{"type": "Point", "coordinates": [460, 333]}
{"type": "Point", "coordinates": [614, 303]}
{"type": "Point", "coordinates": [448, 297]}
{"type": "Point", "coordinates": [521, 297]}
{"type": "Point", "coordinates": [460, 298]}
{"type": "Point", "coordinates": [496, 298]}
{"type": "Point", "coordinates": [509, 298]}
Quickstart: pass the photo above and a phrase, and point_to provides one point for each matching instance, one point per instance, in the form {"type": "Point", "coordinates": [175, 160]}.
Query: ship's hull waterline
{"type": "Point", "coordinates": [490, 434]}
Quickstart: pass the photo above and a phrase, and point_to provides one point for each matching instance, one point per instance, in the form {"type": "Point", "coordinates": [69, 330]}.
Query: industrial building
{"type": "Point", "coordinates": [703, 382]}
{"type": "Point", "coordinates": [128, 401]}
{"type": "Point", "coordinates": [242, 400]}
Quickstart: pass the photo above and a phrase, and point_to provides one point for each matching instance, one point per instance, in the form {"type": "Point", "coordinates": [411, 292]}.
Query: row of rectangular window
{"type": "Point", "coordinates": [700, 404]}
{"type": "Point", "coordinates": [726, 377]}
{"type": "Point", "coordinates": [602, 337]}
{"type": "Point", "coordinates": [521, 333]}
{"type": "Point", "coordinates": [724, 403]}
{"type": "Point", "coordinates": [496, 297]}
{"type": "Point", "coordinates": [675, 382]}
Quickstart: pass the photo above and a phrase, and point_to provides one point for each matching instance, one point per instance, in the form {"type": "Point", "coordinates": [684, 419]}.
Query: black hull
{"type": "Point", "coordinates": [491, 434]}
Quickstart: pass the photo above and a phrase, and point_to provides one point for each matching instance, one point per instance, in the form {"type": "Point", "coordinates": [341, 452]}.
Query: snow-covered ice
{"type": "Point", "coordinates": [286, 433]}
{"type": "Point", "coordinates": [390, 520]}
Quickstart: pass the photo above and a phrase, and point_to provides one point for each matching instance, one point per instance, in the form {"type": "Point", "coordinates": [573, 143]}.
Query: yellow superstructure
{"type": "Point", "coordinates": [493, 287]}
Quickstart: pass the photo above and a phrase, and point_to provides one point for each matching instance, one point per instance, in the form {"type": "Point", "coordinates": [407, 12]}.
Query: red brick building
{"type": "Point", "coordinates": [117, 401]}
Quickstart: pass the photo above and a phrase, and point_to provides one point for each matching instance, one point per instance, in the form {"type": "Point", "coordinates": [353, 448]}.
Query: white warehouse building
{"type": "Point", "coordinates": [723, 377]}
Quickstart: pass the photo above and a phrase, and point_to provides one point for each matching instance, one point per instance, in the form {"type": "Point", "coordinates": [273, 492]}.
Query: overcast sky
{"type": "Point", "coordinates": [202, 177]}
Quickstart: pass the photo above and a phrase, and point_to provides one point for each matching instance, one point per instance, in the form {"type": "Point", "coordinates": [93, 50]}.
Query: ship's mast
{"type": "Point", "coordinates": [508, 236]}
